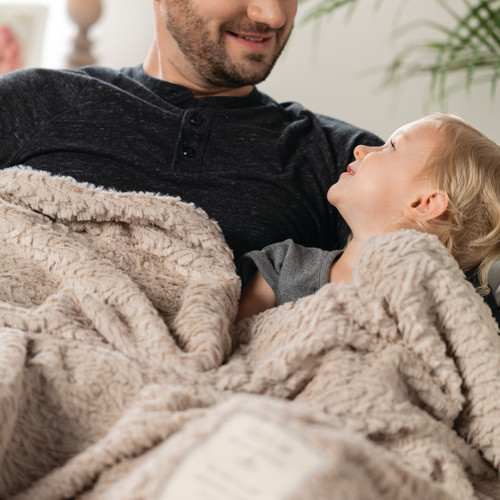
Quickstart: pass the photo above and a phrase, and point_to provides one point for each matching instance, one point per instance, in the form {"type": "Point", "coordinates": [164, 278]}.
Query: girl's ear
{"type": "Point", "coordinates": [427, 206]}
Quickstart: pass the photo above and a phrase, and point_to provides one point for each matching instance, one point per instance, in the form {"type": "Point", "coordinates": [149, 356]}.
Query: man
{"type": "Point", "coordinates": [190, 123]}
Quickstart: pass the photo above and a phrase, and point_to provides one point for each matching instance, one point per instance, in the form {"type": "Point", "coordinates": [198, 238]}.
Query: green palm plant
{"type": "Point", "coordinates": [468, 48]}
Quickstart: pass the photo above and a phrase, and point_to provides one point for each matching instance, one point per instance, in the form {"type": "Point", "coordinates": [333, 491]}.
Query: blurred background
{"type": "Point", "coordinates": [334, 65]}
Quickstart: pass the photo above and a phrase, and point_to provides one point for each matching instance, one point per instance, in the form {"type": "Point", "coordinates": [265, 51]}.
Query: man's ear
{"type": "Point", "coordinates": [427, 206]}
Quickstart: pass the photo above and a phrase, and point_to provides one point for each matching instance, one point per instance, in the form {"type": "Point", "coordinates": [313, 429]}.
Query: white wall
{"type": "Point", "coordinates": [327, 66]}
{"type": "Point", "coordinates": [58, 31]}
{"type": "Point", "coordinates": [121, 37]}
{"type": "Point", "coordinates": [124, 33]}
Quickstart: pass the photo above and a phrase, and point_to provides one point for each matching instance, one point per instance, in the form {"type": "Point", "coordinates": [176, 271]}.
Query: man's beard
{"type": "Point", "coordinates": [209, 58]}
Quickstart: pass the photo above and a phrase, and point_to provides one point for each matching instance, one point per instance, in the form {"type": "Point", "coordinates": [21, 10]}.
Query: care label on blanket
{"type": "Point", "coordinates": [246, 458]}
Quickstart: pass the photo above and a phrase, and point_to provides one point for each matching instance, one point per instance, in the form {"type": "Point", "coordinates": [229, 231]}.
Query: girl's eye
{"type": "Point", "coordinates": [393, 146]}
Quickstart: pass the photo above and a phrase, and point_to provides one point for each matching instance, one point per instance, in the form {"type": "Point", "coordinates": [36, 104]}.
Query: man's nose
{"type": "Point", "coordinates": [269, 12]}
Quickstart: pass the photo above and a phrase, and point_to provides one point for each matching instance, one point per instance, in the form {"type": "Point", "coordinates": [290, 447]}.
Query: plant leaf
{"type": "Point", "coordinates": [470, 43]}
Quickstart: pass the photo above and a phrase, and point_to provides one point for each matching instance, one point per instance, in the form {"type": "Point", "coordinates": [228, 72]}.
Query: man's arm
{"type": "Point", "coordinates": [489, 298]}
{"type": "Point", "coordinates": [29, 99]}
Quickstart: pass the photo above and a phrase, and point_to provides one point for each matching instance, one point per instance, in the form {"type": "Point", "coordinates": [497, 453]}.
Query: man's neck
{"type": "Point", "coordinates": [161, 69]}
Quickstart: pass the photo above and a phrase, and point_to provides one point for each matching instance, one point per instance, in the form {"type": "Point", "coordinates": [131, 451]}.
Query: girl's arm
{"type": "Point", "coordinates": [257, 296]}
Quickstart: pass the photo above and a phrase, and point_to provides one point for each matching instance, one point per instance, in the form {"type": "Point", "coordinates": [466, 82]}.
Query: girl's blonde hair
{"type": "Point", "coordinates": [466, 166]}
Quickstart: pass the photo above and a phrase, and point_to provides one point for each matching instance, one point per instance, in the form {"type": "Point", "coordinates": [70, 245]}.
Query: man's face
{"type": "Point", "coordinates": [230, 43]}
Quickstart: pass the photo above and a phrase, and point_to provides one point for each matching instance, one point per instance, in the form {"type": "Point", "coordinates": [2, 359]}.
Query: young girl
{"type": "Point", "coordinates": [437, 175]}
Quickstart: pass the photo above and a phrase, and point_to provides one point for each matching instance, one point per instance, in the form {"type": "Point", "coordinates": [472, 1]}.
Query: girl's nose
{"type": "Point", "coordinates": [361, 151]}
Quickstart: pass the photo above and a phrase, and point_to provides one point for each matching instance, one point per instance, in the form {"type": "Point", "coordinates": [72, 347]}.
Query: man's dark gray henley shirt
{"type": "Point", "coordinates": [259, 168]}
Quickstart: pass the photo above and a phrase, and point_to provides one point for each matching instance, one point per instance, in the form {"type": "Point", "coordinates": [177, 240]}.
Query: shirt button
{"type": "Point", "coordinates": [196, 119]}
{"type": "Point", "coordinates": [189, 152]}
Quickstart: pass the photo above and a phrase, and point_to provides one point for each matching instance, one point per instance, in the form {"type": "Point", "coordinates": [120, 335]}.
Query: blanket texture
{"type": "Point", "coordinates": [122, 375]}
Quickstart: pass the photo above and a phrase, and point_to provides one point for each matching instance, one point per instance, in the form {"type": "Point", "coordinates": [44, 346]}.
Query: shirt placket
{"type": "Point", "coordinates": [192, 141]}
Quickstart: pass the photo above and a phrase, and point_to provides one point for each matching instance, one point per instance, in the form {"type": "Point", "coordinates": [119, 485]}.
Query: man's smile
{"type": "Point", "coordinates": [252, 41]}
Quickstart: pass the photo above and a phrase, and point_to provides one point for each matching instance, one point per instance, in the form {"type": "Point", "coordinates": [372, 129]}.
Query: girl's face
{"type": "Point", "coordinates": [382, 181]}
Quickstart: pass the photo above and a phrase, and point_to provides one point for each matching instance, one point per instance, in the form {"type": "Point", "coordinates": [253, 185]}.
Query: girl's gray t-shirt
{"type": "Point", "coordinates": [293, 271]}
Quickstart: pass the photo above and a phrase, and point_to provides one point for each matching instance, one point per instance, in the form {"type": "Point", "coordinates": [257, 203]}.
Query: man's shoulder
{"type": "Point", "coordinates": [109, 75]}
{"type": "Point", "coordinates": [332, 127]}
{"type": "Point", "coordinates": [48, 90]}
{"type": "Point", "coordinates": [40, 81]}
{"type": "Point", "coordinates": [58, 88]}
{"type": "Point", "coordinates": [32, 76]}
{"type": "Point", "coordinates": [57, 78]}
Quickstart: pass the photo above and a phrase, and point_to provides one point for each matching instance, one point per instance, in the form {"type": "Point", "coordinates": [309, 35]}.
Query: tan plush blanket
{"type": "Point", "coordinates": [122, 375]}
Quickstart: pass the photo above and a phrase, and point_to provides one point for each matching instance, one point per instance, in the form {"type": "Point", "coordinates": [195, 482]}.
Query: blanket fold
{"type": "Point", "coordinates": [121, 370]}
